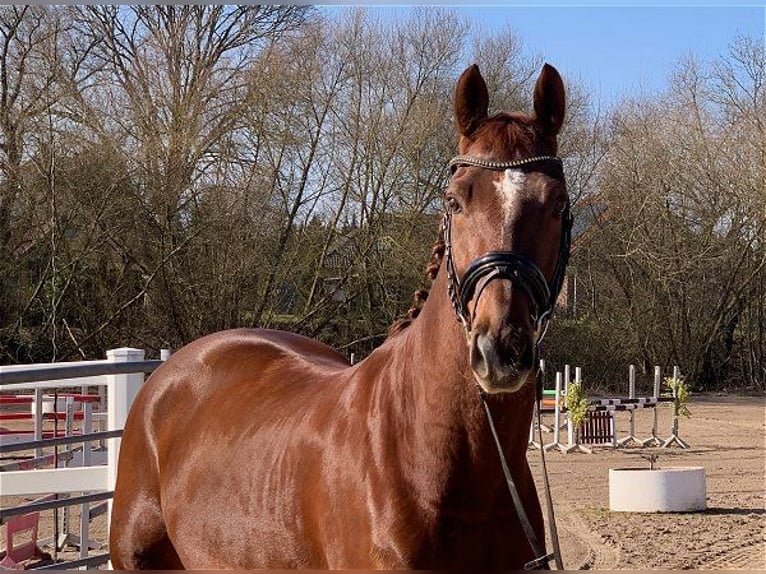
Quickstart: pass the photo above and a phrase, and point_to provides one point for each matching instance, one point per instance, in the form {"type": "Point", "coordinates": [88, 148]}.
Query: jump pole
{"type": "Point", "coordinates": [39, 420]}
{"type": "Point", "coordinates": [567, 378]}
{"type": "Point", "coordinates": [65, 534]}
{"type": "Point", "coordinates": [631, 394]}
{"type": "Point", "coordinates": [532, 443]}
{"type": "Point", "coordinates": [543, 426]}
{"type": "Point", "coordinates": [556, 419]}
{"type": "Point", "coordinates": [654, 440]}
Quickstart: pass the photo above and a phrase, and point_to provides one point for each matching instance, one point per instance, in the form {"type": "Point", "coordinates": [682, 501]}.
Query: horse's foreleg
{"type": "Point", "coordinates": [138, 537]}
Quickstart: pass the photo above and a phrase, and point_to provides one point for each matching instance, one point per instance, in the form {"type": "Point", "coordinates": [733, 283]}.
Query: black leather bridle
{"type": "Point", "coordinates": [519, 269]}
{"type": "Point", "coordinates": [508, 265]}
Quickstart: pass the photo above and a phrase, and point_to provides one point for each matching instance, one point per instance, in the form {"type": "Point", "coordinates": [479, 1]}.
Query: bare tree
{"type": "Point", "coordinates": [41, 69]}
{"type": "Point", "coordinates": [179, 84]}
{"type": "Point", "coordinates": [681, 255]}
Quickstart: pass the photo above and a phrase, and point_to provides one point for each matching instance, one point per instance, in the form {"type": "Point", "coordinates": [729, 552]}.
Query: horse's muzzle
{"type": "Point", "coordinates": [500, 366]}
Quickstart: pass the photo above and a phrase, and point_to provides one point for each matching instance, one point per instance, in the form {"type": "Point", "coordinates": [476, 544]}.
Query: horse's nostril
{"type": "Point", "coordinates": [490, 358]}
{"type": "Point", "coordinates": [483, 355]}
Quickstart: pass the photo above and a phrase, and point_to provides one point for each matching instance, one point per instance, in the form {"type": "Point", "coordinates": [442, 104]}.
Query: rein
{"type": "Point", "coordinates": [543, 558]}
{"type": "Point", "coordinates": [517, 268]}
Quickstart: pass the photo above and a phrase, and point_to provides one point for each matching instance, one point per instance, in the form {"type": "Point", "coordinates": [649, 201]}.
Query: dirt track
{"type": "Point", "coordinates": [727, 437]}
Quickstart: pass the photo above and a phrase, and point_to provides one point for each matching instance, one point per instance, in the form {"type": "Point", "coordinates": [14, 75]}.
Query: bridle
{"type": "Point", "coordinates": [519, 269]}
{"type": "Point", "coordinates": [508, 265]}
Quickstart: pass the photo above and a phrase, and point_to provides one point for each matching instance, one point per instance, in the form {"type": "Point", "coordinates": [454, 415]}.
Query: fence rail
{"type": "Point", "coordinates": [89, 562]}
{"type": "Point", "coordinates": [12, 375]}
{"type": "Point", "coordinates": [49, 504]}
{"type": "Point", "coordinates": [122, 374]}
{"type": "Point", "coordinates": [60, 441]}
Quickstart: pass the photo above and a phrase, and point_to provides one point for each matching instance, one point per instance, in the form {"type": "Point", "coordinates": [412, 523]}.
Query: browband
{"type": "Point", "coordinates": [460, 160]}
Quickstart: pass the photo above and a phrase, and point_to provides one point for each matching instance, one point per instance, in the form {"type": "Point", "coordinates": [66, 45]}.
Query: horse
{"type": "Point", "coordinates": [256, 448]}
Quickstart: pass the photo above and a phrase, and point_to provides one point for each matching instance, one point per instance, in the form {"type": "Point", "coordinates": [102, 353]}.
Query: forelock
{"type": "Point", "coordinates": [504, 132]}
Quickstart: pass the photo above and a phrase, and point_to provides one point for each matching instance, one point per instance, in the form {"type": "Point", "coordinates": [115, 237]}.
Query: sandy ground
{"type": "Point", "coordinates": [726, 435]}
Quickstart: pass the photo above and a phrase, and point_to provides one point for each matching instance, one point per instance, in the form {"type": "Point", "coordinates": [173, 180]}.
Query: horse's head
{"type": "Point", "coordinates": [506, 227]}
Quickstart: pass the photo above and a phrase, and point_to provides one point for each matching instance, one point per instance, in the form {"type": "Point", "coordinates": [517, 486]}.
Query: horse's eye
{"type": "Point", "coordinates": [453, 204]}
{"type": "Point", "coordinates": [560, 205]}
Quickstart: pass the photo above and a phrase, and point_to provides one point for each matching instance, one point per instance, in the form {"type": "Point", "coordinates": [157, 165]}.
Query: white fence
{"type": "Point", "coordinates": [122, 374]}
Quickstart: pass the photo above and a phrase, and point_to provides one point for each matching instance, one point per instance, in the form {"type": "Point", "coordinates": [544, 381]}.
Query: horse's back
{"type": "Point", "coordinates": [224, 396]}
{"type": "Point", "coordinates": [249, 352]}
{"type": "Point", "coordinates": [230, 379]}
{"type": "Point", "coordinates": [241, 361]}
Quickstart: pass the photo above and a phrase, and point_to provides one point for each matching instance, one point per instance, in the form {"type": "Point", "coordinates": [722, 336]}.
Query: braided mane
{"type": "Point", "coordinates": [421, 295]}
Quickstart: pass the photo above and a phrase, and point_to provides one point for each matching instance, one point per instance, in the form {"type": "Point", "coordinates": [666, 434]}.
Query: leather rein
{"type": "Point", "coordinates": [521, 270]}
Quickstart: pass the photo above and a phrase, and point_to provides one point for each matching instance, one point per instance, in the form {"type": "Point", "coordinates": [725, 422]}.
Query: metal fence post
{"type": "Point", "coordinates": [38, 409]}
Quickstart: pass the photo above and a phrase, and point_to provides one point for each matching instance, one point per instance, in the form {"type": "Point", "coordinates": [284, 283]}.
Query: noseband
{"type": "Point", "coordinates": [508, 265]}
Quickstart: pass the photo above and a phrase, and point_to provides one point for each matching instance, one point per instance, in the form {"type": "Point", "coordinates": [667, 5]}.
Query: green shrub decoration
{"type": "Point", "coordinates": [576, 402]}
{"type": "Point", "coordinates": [677, 388]}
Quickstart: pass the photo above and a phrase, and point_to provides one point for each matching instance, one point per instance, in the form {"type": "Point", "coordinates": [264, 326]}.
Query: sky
{"type": "Point", "coordinates": [618, 50]}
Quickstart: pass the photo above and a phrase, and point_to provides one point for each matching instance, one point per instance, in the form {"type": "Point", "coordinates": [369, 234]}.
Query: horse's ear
{"type": "Point", "coordinates": [550, 100]}
{"type": "Point", "coordinates": [471, 101]}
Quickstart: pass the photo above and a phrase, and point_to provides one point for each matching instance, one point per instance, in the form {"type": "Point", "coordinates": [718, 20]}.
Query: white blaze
{"type": "Point", "coordinates": [510, 186]}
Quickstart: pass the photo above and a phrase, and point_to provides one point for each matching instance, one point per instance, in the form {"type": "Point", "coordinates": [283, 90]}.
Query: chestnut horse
{"type": "Point", "coordinates": [265, 449]}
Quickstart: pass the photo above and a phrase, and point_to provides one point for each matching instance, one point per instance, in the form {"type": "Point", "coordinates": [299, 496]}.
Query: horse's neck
{"type": "Point", "coordinates": [449, 437]}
